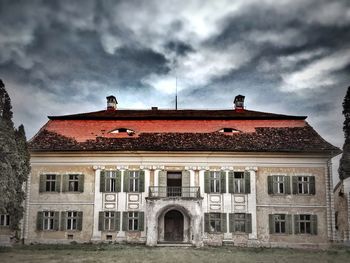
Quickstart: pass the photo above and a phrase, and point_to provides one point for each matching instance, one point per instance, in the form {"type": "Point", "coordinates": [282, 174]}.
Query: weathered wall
{"type": "Point", "coordinates": [341, 208]}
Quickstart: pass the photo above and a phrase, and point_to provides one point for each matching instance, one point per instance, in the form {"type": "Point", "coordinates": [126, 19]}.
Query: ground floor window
{"type": "Point", "coordinates": [4, 220]}
{"type": "Point", "coordinates": [305, 224]}
{"type": "Point", "coordinates": [47, 220]}
{"type": "Point", "coordinates": [133, 221]}
{"type": "Point", "coordinates": [215, 222]}
{"type": "Point", "coordinates": [240, 222]}
{"type": "Point", "coordinates": [109, 221]}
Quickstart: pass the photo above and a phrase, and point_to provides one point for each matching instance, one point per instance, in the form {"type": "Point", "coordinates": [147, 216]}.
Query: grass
{"type": "Point", "coordinates": [132, 253]}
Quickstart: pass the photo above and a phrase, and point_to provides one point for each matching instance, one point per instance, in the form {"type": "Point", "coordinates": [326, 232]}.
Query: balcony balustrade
{"type": "Point", "coordinates": [174, 192]}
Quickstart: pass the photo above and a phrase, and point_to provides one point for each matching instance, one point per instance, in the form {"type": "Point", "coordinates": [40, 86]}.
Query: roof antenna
{"type": "Point", "coordinates": [176, 93]}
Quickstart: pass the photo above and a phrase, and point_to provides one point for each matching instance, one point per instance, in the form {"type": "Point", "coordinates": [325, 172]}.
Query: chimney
{"type": "Point", "coordinates": [239, 103]}
{"type": "Point", "coordinates": [111, 103]}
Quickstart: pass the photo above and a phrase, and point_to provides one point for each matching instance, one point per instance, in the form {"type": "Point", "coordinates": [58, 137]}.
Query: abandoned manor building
{"type": "Point", "coordinates": [194, 177]}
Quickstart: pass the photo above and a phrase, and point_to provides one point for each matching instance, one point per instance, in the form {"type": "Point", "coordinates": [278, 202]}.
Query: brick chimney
{"type": "Point", "coordinates": [111, 103]}
{"type": "Point", "coordinates": [239, 103]}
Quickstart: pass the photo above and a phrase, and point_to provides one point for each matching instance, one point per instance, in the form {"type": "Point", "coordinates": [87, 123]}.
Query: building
{"type": "Point", "coordinates": [198, 177]}
{"type": "Point", "coordinates": [342, 210]}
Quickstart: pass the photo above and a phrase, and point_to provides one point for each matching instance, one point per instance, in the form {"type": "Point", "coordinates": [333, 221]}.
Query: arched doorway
{"type": "Point", "coordinates": [173, 226]}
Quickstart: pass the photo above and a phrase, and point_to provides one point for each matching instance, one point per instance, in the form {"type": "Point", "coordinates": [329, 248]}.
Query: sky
{"type": "Point", "coordinates": [286, 56]}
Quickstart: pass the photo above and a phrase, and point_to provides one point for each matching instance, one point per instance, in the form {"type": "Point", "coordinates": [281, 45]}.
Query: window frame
{"type": "Point", "coordinates": [241, 189]}
{"type": "Point", "coordinates": [277, 182]}
{"type": "Point", "coordinates": [215, 218]}
{"type": "Point", "coordinates": [134, 181]}
{"type": "Point", "coordinates": [133, 219]}
{"type": "Point", "coordinates": [309, 184]}
{"type": "Point", "coordinates": [74, 182]}
{"type": "Point", "coordinates": [72, 220]}
{"type": "Point", "coordinates": [48, 223]}
{"type": "Point", "coordinates": [51, 182]}
{"type": "Point", "coordinates": [239, 221]}
{"type": "Point", "coordinates": [215, 178]}
{"type": "Point", "coordinates": [4, 220]}
{"type": "Point", "coordinates": [307, 223]}
{"type": "Point", "coordinates": [110, 181]}
{"type": "Point", "coordinates": [281, 222]}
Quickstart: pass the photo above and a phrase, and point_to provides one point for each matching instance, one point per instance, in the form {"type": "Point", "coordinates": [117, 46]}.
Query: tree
{"type": "Point", "coordinates": [344, 165]}
{"type": "Point", "coordinates": [14, 162]}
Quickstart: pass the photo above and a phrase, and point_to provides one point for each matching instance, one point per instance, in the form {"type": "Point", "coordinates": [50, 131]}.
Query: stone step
{"type": "Point", "coordinates": [173, 244]}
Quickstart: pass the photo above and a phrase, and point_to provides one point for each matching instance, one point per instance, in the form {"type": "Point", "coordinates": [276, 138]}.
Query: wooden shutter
{"type": "Point", "coordinates": [248, 223]}
{"type": "Point", "coordinates": [295, 184]}
{"type": "Point", "coordinates": [231, 222]}
{"type": "Point", "coordinates": [231, 176]}
{"type": "Point", "coordinates": [80, 221]}
{"type": "Point", "coordinates": [113, 225]}
{"type": "Point", "coordinates": [271, 224]}
{"type": "Point", "coordinates": [185, 178]}
{"type": "Point", "coordinates": [58, 183]}
{"type": "Point", "coordinates": [141, 221]}
{"type": "Point", "coordinates": [312, 185]}
{"type": "Point", "coordinates": [125, 221]}
{"type": "Point", "coordinates": [223, 223]}
{"type": "Point", "coordinates": [162, 177]}
{"type": "Point", "coordinates": [117, 221]}
{"type": "Point", "coordinates": [101, 224]}
{"type": "Point", "coordinates": [247, 182]}
{"type": "Point", "coordinates": [39, 221]}
{"type": "Point", "coordinates": [126, 181]}
{"type": "Point", "coordinates": [223, 182]}
{"type": "Point", "coordinates": [65, 182]}
{"type": "Point", "coordinates": [102, 181]}
{"type": "Point", "coordinates": [207, 182]}
{"type": "Point", "coordinates": [56, 221]}
{"type": "Point", "coordinates": [118, 181]}
{"type": "Point", "coordinates": [296, 224]}
{"type": "Point", "coordinates": [287, 184]}
{"type": "Point", "coordinates": [270, 184]}
{"type": "Point", "coordinates": [206, 223]}
{"type": "Point", "coordinates": [142, 181]}
{"type": "Point", "coordinates": [63, 221]}
{"type": "Point", "coordinates": [81, 183]}
{"type": "Point", "coordinates": [314, 224]}
{"type": "Point", "coordinates": [289, 227]}
{"type": "Point", "coordinates": [42, 186]}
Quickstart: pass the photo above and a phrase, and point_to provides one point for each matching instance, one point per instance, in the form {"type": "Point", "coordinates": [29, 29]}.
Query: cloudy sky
{"type": "Point", "coordinates": [286, 56]}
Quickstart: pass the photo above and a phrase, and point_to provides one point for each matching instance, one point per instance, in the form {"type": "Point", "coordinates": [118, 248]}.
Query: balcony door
{"type": "Point", "coordinates": [174, 183]}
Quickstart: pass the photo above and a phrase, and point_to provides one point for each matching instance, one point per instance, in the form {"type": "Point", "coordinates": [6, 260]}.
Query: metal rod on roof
{"type": "Point", "coordinates": [176, 93]}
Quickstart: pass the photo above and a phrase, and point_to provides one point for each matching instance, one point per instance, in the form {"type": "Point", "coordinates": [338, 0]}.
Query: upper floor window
{"type": "Point", "coordinates": [278, 184]}
{"type": "Point", "coordinates": [239, 182]}
{"type": "Point", "coordinates": [215, 222]}
{"type": "Point", "coordinates": [4, 220]}
{"type": "Point", "coordinates": [110, 181]}
{"type": "Point", "coordinates": [134, 178]}
{"type": "Point", "coordinates": [134, 181]}
{"type": "Point", "coordinates": [215, 181]}
{"type": "Point", "coordinates": [50, 183]}
{"type": "Point", "coordinates": [303, 184]}
{"type": "Point", "coordinates": [73, 183]}
{"type": "Point", "coordinates": [240, 222]}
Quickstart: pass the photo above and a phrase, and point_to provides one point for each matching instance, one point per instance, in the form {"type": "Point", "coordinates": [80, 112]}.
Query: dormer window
{"type": "Point", "coordinates": [229, 130]}
{"type": "Point", "coordinates": [129, 132]}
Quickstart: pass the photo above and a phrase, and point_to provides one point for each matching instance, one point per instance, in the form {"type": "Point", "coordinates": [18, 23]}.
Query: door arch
{"type": "Point", "coordinates": [173, 226]}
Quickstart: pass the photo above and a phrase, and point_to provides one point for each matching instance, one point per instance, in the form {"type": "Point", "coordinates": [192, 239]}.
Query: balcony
{"type": "Point", "coordinates": [174, 192]}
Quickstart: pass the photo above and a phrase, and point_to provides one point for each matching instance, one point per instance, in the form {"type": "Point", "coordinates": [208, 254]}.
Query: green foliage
{"type": "Point", "coordinates": [344, 165]}
{"type": "Point", "coordinates": [14, 162]}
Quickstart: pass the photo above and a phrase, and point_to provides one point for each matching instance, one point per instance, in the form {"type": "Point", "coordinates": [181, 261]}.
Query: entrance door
{"type": "Point", "coordinates": [174, 183]}
{"type": "Point", "coordinates": [173, 226]}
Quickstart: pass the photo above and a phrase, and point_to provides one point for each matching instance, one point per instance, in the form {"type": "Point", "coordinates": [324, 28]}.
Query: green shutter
{"type": "Point", "coordinates": [80, 221]}
{"type": "Point", "coordinates": [118, 180]}
{"type": "Point", "coordinates": [206, 223]}
{"type": "Point", "coordinates": [296, 224]}
{"type": "Point", "coordinates": [117, 221]}
{"type": "Point", "coordinates": [312, 185]}
{"type": "Point", "coordinates": [295, 184]}
{"type": "Point", "coordinates": [231, 222]}
{"type": "Point", "coordinates": [142, 181]}
{"type": "Point", "coordinates": [141, 221]}
{"type": "Point", "coordinates": [107, 182]}
{"type": "Point", "coordinates": [247, 182]}
{"type": "Point", "coordinates": [102, 181]}
{"type": "Point", "coordinates": [113, 225]}
{"type": "Point", "coordinates": [39, 221]}
{"type": "Point", "coordinates": [314, 224]}
{"type": "Point", "coordinates": [289, 229]}
{"type": "Point", "coordinates": [126, 181]}
{"type": "Point", "coordinates": [287, 184]}
{"type": "Point", "coordinates": [186, 178]}
{"type": "Point", "coordinates": [101, 224]}
{"type": "Point", "coordinates": [231, 176]}
{"type": "Point", "coordinates": [65, 182]}
{"type": "Point", "coordinates": [81, 183]}
{"type": "Point", "coordinates": [223, 223]}
{"type": "Point", "coordinates": [42, 182]}
{"type": "Point", "coordinates": [270, 185]}
{"type": "Point", "coordinates": [271, 224]}
{"type": "Point", "coordinates": [58, 183]}
{"type": "Point", "coordinates": [207, 182]}
{"type": "Point", "coordinates": [223, 182]}
{"type": "Point", "coordinates": [162, 177]}
{"type": "Point", "coordinates": [248, 223]}
{"type": "Point", "coordinates": [63, 221]}
{"type": "Point", "coordinates": [56, 221]}
{"type": "Point", "coordinates": [125, 221]}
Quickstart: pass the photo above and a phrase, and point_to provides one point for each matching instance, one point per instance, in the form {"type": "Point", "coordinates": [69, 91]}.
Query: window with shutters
{"type": "Point", "coordinates": [215, 182]}
{"type": "Point", "coordinates": [215, 222]}
{"type": "Point", "coordinates": [133, 221]}
{"type": "Point", "coordinates": [48, 220]}
{"type": "Point", "coordinates": [4, 220]}
{"type": "Point", "coordinates": [278, 184]}
{"type": "Point", "coordinates": [73, 183]}
{"type": "Point", "coordinates": [109, 221]}
{"type": "Point", "coordinates": [240, 223]}
{"type": "Point", "coordinates": [304, 185]}
{"type": "Point", "coordinates": [50, 184]}
{"type": "Point", "coordinates": [280, 224]}
{"type": "Point", "coordinates": [305, 224]}
{"type": "Point", "coordinates": [110, 181]}
{"type": "Point", "coordinates": [238, 182]}
{"type": "Point", "coordinates": [134, 181]}
{"type": "Point", "coordinates": [72, 220]}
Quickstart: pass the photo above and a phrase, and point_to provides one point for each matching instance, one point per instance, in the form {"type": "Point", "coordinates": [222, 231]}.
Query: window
{"type": "Point", "coordinates": [239, 182]}
{"type": "Point", "coordinates": [110, 181]}
{"type": "Point", "coordinates": [215, 222]}
{"type": "Point", "coordinates": [109, 221]}
{"type": "Point", "coordinates": [280, 224]}
{"type": "Point", "coordinates": [49, 183]}
{"type": "Point", "coordinates": [47, 220]}
{"type": "Point", "coordinates": [240, 222]}
{"type": "Point", "coordinates": [73, 183]}
{"type": "Point", "coordinates": [304, 185]}
{"type": "Point", "coordinates": [71, 220]}
{"type": "Point", "coordinates": [229, 130]}
{"type": "Point", "coordinates": [278, 184]}
{"type": "Point", "coordinates": [4, 220]}
{"type": "Point", "coordinates": [133, 221]}
{"type": "Point", "coordinates": [305, 224]}
{"type": "Point", "coordinates": [134, 181]}
{"type": "Point", "coordinates": [215, 182]}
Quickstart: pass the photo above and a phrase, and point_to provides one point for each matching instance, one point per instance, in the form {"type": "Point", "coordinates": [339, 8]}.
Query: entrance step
{"type": "Point", "coordinates": [173, 244]}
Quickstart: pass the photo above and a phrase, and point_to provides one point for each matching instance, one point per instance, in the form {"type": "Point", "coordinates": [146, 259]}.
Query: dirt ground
{"type": "Point", "coordinates": [127, 253]}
